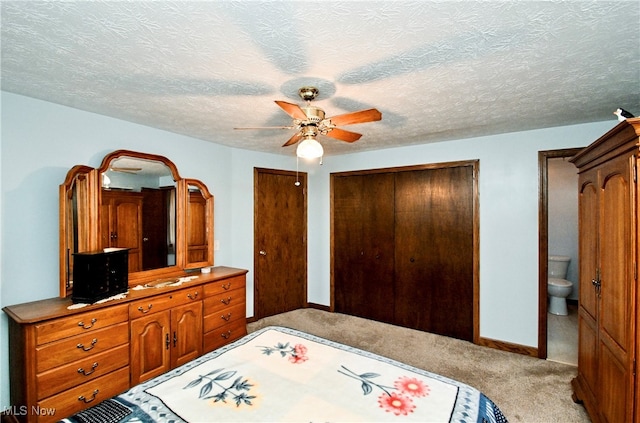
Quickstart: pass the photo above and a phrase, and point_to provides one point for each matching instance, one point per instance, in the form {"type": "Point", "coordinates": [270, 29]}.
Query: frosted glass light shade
{"type": "Point", "coordinates": [309, 148]}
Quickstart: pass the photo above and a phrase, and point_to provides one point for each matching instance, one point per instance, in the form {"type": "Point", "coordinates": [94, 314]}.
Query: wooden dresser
{"type": "Point", "coordinates": [63, 361]}
{"type": "Point", "coordinates": [608, 319]}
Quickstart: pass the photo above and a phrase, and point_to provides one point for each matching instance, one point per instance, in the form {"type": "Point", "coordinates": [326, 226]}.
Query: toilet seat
{"type": "Point", "coordinates": [559, 282]}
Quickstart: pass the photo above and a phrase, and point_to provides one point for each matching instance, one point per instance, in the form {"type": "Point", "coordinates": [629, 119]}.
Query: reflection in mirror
{"type": "Point", "coordinates": [137, 201]}
{"type": "Point", "coordinates": [199, 225]}
{"type": "Point", "coordinates": [138, 212]}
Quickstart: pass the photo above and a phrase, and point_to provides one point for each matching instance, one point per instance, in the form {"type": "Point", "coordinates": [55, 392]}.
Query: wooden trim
{"type": "Point", "coordinates": [318, 307]}
{"type": "Point", "coordinates": [509, 347]}
{"type": "Point", "coordinates": [425, 166]}
{"type": "Point", "coordinates": [543, 239]}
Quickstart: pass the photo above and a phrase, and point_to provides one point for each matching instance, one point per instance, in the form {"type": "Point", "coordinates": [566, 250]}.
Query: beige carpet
{"type": "Point", "coordinates": [526, 389]}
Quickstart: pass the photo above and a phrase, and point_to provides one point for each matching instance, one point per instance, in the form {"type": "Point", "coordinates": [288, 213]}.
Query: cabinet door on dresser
{"type": "Point", "coordinates": [150, 346]}
{"type": "Point", "coordinates": [224, 312]}
{"type": "Point", "coordinates": [166, 331]}
{"type": "Point", "coordinates": [186, 333]}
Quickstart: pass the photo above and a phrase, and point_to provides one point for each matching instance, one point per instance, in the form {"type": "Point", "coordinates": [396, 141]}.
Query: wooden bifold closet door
{"type": "Point", "coordinates": [403, 247]}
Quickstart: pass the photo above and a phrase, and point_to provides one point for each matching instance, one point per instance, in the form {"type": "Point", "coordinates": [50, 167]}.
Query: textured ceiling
{"type": "Point", "coordinates": [436, 70]}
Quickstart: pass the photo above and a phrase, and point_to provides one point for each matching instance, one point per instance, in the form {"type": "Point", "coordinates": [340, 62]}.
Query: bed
{"type": "Point", "coordinates": [279, 374]}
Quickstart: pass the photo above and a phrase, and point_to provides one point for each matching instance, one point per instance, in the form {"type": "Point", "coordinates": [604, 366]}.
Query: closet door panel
{"type": "Point", "coordinates": [434, 250]}
{"type": "Point", "coordinates": [363, 234]}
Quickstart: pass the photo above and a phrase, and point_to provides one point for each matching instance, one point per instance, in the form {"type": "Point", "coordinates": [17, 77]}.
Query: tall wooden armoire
{"type": "Point", "coordinates": [608, 319]}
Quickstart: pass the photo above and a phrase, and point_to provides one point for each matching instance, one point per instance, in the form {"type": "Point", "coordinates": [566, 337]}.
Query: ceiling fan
{"type": "Point", "coordinates": [310, 121]}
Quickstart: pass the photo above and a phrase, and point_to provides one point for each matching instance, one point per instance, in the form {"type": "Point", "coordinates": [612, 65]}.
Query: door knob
{"type": "Point", "coordinates": [263, 253]}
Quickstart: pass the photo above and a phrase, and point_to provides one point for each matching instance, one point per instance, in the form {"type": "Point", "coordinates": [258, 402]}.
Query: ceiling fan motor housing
{"type": "Point", "coordinates": [314, 114]}
{"type": "Point", "coordinates": [308, 93]}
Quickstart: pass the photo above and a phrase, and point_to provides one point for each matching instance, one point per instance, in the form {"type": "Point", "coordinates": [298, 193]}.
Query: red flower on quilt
{"type": "Point", "coordinates": [396, 403]}
{"type": "Point", "coordinates": [299, 354]}
{"type": "Point", "coordinates": [412, 386]}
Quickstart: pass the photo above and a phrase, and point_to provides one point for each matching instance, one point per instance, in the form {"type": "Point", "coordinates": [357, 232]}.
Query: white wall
{"type": "Point", "coordinates": [41, 141]}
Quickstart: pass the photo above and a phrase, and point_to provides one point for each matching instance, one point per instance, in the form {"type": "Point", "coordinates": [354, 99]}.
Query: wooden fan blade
{"type": "Point", "coordinates": [266, 127]}
{"type": "Point", "coordinates": [294, 139]}
{"type": "Point", "coordinates": [362, 116]}
{"type": "Point", "coordinates": [342, 135]}
{"type": "Point", "coordinates": [292, 110]}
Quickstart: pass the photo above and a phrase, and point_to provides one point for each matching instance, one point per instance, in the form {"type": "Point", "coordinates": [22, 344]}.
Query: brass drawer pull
{"type": "Point", "coordinates": [227, 286]}
{"type": "Point", "coordinates": [93, 344]}
{"type": "Point", "coordinates": [226, 335]}
{"type": "Point", "coordinates": [193, 297]}
{"type": "Point", "coordinates": [226, 318]}
{"type": "Point", "coordinates": [226, 302]}
{"type": "Point", "coordinates": [87, 401]}
{"type": "Point", "coordinates": [83, 326]}
{"type": "Point", "coordinates": [142, 310]}
{"type": "Point", "coordinates": [84, 372]}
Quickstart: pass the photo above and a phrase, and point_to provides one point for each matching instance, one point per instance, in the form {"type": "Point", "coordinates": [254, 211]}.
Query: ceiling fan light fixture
{"type": "Point", "coordinates": [309, 148]}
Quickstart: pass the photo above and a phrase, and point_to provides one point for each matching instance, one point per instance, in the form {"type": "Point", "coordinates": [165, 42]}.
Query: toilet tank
{"type": "Point", "coordinates": [557, 266]}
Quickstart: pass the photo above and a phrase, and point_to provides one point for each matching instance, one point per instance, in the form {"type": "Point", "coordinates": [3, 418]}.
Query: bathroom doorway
{"type": "Point", "coordinates": [558, 209]}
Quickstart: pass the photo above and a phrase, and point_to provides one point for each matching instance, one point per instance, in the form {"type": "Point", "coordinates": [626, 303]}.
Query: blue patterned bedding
{"type": "Point", "coordinates": [279, 374]}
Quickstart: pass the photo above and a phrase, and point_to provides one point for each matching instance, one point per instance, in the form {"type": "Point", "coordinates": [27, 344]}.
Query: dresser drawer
{"type": "Point", "coordinates": [54, 330]}
{"type": "Point", "coordinates": [216, 303]}
{"type": "Point", "coordinates": [81, 371]}
{"type": "Point", "coordinates": [87, 345]}
{"type": "Point", "coordinates": [223, 335]}
{"type": "Point", "coordinates": [224, 286]}
{"type": "Point", "coordinates": [91, 393]}
{"type": "Point", "coordinates": [163, 302]}
{"type": "Point", "coordinates": [225, 316]}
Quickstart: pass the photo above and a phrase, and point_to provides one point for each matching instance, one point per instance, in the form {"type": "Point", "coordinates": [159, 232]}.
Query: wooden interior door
{"type": "Point", "coordinates": [280, 241]}
{"type": "Point", "coordinates": [155, 225]}
{"type": "Point", "coordinates": [434, 250]}
{"type": "Point", "coordinates": [363, 243]}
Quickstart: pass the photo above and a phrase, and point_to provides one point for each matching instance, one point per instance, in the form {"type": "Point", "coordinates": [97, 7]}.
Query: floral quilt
{"type": "Point", "coordinates": [279, 374]}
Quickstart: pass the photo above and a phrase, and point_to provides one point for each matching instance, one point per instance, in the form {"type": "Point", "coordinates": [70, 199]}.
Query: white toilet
{"type": "Point", "coordinates": [558, 288]}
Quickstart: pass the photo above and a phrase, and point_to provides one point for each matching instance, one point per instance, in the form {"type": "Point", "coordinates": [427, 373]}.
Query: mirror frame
{"type": "Point", "coordinates": [209, 224]}
{"type": "Point", "coordinates": [86, 182]}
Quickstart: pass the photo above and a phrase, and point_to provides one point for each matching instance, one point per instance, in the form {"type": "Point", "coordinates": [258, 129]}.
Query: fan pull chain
{"type": "Point", "coordinates": [297, 183]}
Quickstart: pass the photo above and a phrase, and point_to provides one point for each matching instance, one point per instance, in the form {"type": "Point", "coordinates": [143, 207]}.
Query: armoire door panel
{"type": "Point", "coordinates": [588, 242]}
{"type": "Point", "coordinates": [613, 400]}
{"type": "Point", "coordinates": [587, 360]}
{"type": "Point", "coordinates": [615, 248]}
{"type": "Point", "coordinates": [363, 245]}
{"type": "Point", "coordinates": [434, 250]}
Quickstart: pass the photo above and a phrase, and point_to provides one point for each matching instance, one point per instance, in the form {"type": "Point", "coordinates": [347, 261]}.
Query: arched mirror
{"type": "Point", "coordinates": [139, 202]}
